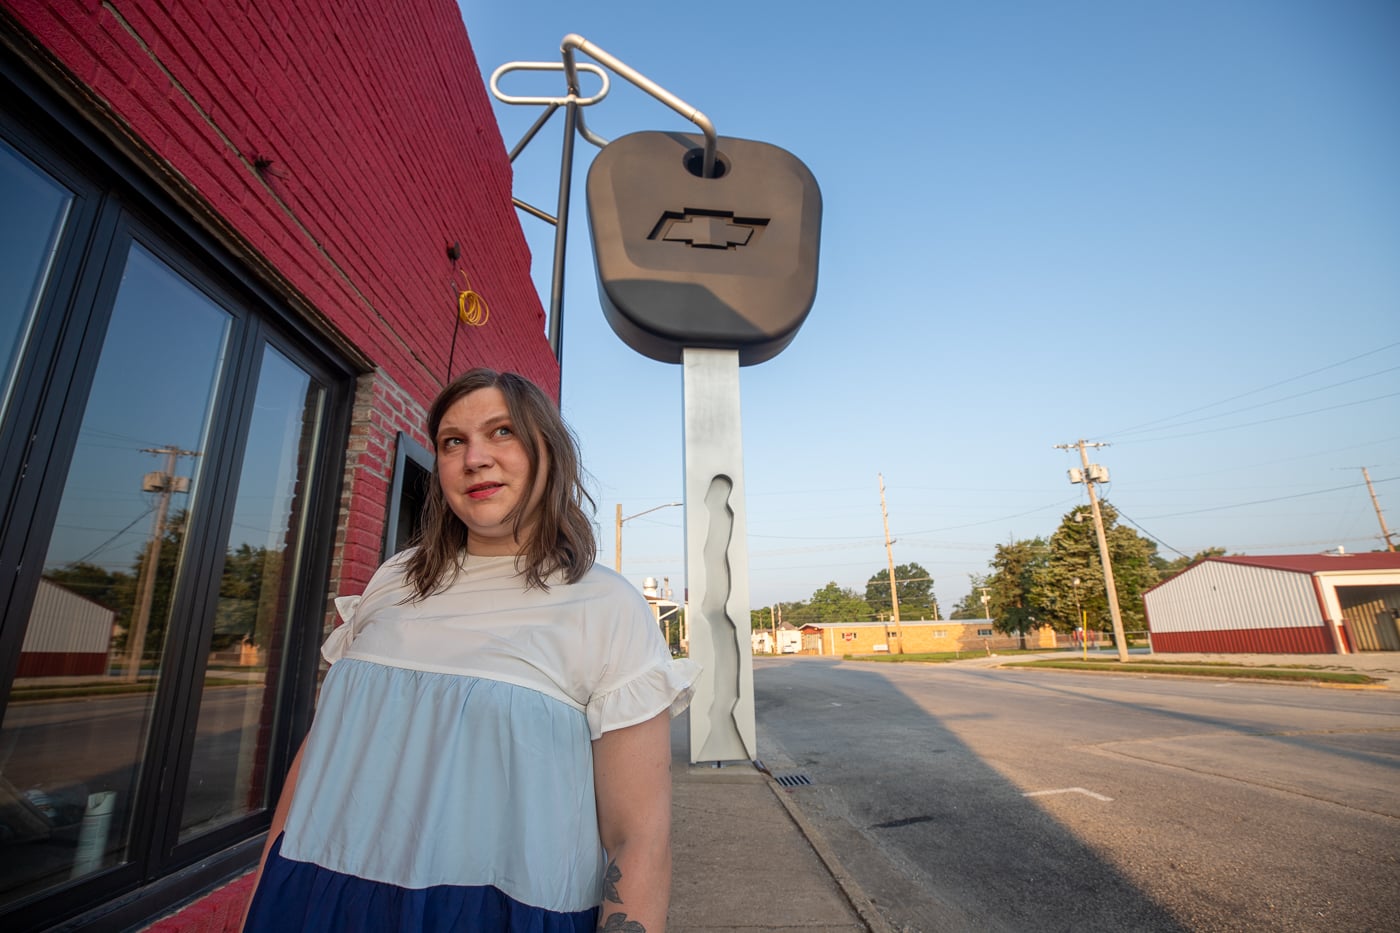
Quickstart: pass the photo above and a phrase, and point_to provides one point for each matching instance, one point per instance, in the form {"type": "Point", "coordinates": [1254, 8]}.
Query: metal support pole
{"type": "Point", "coordinates": [561, 236]}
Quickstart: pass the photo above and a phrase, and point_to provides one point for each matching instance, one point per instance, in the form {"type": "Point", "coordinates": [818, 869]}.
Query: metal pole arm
{"type": "Point", "coordinates": [574, 41]}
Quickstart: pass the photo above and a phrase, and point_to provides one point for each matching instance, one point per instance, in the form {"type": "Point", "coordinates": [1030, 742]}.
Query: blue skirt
{"type": "Point", "coordinates": [298, 897]}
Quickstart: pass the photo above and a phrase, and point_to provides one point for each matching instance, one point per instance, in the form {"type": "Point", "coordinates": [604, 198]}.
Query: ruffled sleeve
{"type": "Point", "coordinates": [667, 685]}
{"type": "Point", "coordinates": [335, 646]}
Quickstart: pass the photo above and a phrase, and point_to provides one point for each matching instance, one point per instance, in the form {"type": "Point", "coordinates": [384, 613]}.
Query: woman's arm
{"type": "Point", "coordinates": [632, 778]}
{"type": "Point", "coordinates": [279, 819]}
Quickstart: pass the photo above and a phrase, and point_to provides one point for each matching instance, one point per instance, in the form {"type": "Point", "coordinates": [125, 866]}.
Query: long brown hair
{"type": "Point", "coordinates": [560, 539]}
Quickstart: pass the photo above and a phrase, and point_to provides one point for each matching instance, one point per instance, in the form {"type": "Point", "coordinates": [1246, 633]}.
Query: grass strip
{"type": "Point", "coordinates": [1208, 669]}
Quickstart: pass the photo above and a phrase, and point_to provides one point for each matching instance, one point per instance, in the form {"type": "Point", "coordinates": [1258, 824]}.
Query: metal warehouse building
{"type": "Point", "coordinates": [1281, 604]}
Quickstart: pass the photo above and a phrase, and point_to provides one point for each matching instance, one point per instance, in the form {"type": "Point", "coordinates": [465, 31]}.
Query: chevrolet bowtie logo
{"type": "Point", "coordinates": [707, 229]}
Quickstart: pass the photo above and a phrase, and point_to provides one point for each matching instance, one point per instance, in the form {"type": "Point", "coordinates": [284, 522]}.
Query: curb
{"type": "Point", "coordinates": [860, 903]}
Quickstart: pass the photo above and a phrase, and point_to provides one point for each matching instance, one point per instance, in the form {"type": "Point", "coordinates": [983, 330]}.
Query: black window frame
{"type": "Point", "coordinates": [409, 456]}
{"type": "Point", "coordinates": [117, 205]}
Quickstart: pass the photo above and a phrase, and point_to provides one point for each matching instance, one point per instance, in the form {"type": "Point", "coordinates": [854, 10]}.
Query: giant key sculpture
{"type": "Point", "coordinates": [706, 251]}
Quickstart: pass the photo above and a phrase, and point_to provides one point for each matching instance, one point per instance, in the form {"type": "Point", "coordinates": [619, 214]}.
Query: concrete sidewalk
{"type": "Point", "coordinates": [745, 858]}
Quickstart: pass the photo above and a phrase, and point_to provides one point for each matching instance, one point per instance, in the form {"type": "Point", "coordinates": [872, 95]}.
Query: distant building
{"type": "Point", "coordinates": [925, 637]}
{"type": "Point", "coordinates": [789, 641]}
{"type": "Point", "coordinates": [67, 635]}
{"type": "Point", "coordinates": [1282, 604]}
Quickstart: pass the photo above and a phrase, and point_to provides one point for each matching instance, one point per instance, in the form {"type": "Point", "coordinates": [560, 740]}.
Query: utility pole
{"type": "Point", "coordinates": [889, 555]}
{"type": "Point", "coordinates": [774, 620]}
{"type": "Point", "coordinates": [166, 483]}
{"type": "Point", "coordinates": [1380, 516]}
{"type": "Point", "coordinates": [1091, 474]}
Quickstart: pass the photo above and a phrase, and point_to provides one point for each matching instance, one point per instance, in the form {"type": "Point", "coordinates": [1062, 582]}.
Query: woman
{"type": "Point", "coordinates": [491, 749]}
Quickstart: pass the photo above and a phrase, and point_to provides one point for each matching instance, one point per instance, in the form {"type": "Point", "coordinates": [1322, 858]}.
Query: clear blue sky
{"type": "Point", "coordinates": [1169, 226]}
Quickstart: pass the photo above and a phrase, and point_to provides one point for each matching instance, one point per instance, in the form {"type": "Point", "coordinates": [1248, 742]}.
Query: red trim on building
{"type": "Point", "coordinates": [218, 912]}
{"type": "Point", "coordinates": [61, 663]}
{"type": "Point", "coordinates": [1310, 640]}
{"type": "Point", "coordinates": [1334, 633]}
{"type": "Point", "coordinates": [1318, 563]}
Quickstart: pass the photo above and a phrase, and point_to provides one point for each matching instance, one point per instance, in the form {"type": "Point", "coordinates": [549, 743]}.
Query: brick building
{"type": "Point", "coordinates": [236, 239]}
{"type": "Point", "coordinates": [924, 637]}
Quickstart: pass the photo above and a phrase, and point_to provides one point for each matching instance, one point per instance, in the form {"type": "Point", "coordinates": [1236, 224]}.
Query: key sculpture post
{"type": "Point", "coordinates": [706, 251]}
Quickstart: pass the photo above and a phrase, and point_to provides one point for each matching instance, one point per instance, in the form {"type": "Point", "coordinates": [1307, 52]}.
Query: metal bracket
{"type": "Point", "coordinates": [572, 101]}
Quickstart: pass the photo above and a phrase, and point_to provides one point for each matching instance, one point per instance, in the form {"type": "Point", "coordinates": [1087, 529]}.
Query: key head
{"type": "Point", "coordinates": [724, 262]}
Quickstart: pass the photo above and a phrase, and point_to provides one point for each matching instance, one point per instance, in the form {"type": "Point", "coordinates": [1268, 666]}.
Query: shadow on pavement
{"type": "Point", "coordinates": [937, 837]}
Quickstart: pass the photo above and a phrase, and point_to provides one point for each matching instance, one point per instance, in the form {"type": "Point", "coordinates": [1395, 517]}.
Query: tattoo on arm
{"type": "Point", "coordinates": [610, 881]}
{"type": "Point", "coordinates": [618, 923]}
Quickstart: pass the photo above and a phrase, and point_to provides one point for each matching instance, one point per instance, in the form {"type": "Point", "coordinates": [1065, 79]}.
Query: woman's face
{"type": "Point", "coordinates": [485, 472]}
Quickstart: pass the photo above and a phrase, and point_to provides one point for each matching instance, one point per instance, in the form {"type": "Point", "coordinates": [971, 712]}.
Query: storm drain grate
{"type": "Point", "coordinates": [793, 780]}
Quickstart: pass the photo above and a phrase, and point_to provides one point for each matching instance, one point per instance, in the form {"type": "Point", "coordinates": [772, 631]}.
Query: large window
{"type": "Point", "coordinates": [228, 774]}
{"type": "Point", "coordinates": [36, 207]}
{"type": "Point", "coordinates": [170, 446]}
{"type": "Point", "coordinates": [79, 717]}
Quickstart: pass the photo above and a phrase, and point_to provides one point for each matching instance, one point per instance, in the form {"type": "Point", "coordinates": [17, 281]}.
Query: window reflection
{"type": "Point", "coordinates": [76, 726]}
{"type": "Point", "coordinates": [36, 207]}
{"type": "Point", "coordinates": [238, 705]}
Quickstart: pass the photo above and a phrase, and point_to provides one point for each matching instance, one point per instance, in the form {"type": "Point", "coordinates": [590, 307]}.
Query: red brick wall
{"type": "Point", "coordinates": [382, 409]}
{"type": "Point", "coordinates": [346, 144]}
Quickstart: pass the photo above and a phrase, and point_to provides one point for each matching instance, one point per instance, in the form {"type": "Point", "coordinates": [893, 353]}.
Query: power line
{"type": "Point", "coordinates": [1301, 495]}
{"type": "Point", "coordinates": [1122, 514]}
{"type": "Point", "coordinates": [1286, 398]}
{"type": "Point", "coordinates": [1271, 385]}
{"type": "Point", "coordinates": [992, 521]}
{"type": "Point", "coordinates": [1250, 424]}
{"type": "Point", "coordinates": [114, 537]}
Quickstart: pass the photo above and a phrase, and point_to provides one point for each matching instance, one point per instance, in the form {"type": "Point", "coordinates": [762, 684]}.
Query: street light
{"type": "Point", "coordinates": [617, 565]}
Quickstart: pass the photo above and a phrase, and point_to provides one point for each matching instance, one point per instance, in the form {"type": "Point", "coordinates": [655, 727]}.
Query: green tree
{"type": "Point", "coordinates": [128, 591]}
{"type": "Point", "coordinates": [674, 624]}
{"type": "Point", "coordinates": [248, 594]}
{"type": "Point", "coordinates": [91, 582]}
{"type": "Point", "coordinates": [914, 586]}
{"type": "Point", "coordinates": [971, 606]}
{"type": "Point", "coordinates": [796, 613]}
{"type": "Point", "coordinates": [830, 605]}
{"type": "Point", "coordinates": [1074, 554]}
{"type": "Point", "coordinates": [1014, 586]}
{"type": "Point", "coordinates": [761, 620]}
{"type": "Point", "coordinates": [1170, 568]}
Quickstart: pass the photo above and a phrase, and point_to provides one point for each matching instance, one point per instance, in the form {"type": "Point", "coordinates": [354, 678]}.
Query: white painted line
{"type": "Point", "coordinates": [1070, 790]}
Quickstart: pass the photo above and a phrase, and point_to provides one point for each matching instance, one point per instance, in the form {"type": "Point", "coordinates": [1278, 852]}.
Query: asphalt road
{"type": "Point", "coordinates": [970, 798]}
